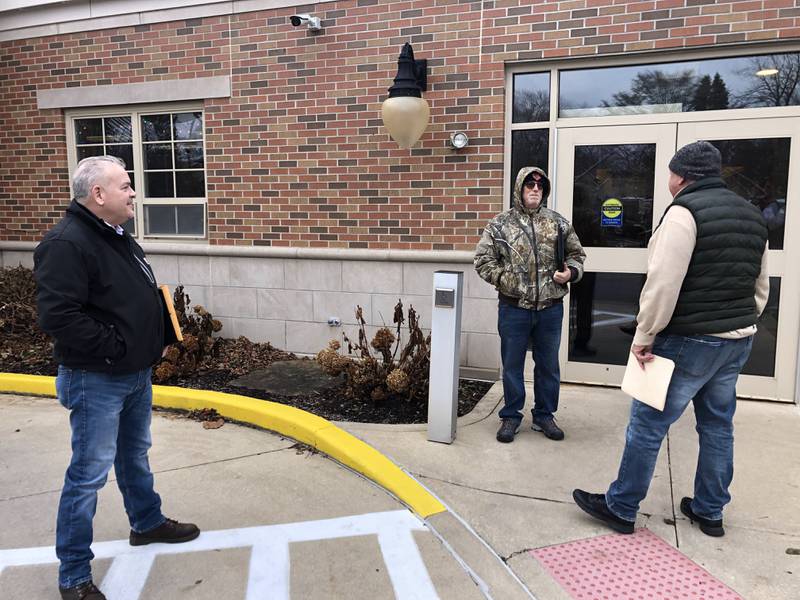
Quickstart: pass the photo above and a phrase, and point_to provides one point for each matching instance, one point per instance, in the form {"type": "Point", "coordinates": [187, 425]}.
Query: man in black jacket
{"type": "Point", "coordinates": [98, 299]}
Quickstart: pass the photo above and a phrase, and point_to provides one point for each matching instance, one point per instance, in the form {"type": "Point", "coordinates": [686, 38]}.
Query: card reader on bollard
{"type": "Point", "coordinates": [445, 351]}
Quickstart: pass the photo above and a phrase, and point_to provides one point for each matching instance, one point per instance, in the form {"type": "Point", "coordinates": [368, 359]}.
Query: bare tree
{"type": "Point", "coordinates": [780, 89]}
{"type": "Point", "coordinates": [654, 86]}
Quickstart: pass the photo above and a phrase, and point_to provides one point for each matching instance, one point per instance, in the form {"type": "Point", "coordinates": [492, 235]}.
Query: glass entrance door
{"type": "Point", "coordinates": [612, 185]}
{"type": "Point", "coordinates": [761, 163]}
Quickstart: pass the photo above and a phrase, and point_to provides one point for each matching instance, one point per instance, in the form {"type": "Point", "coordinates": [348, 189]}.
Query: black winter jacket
{"type": "Point", "coordinates": [97, 296]}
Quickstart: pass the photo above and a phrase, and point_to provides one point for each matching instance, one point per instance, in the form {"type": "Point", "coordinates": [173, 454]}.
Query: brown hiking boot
{"type": "Point", "coordinates": [83, 591]}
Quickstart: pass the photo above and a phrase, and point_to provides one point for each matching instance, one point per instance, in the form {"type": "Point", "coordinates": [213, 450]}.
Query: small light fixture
{"type": "Point", "coordinates": [459, 140]}
{"type": "Point", "coordinates": [767, 72]}
{"type": "Point", "coordinates": [405, 112]}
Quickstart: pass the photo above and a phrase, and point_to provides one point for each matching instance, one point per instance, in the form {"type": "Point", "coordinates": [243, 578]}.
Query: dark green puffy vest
{"type": "Point", "coordinates": [718, 292]}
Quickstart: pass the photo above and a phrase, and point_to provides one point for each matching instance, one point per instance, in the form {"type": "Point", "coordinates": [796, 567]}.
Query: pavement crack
{"type": "Point", "coordinates": [181, 468]}
{"type": "Point", "coordinates": [672, 496]}
{"type": "Point", "coordinates": [488, 491]}
{"type": "Point", "coordinates": [505, 559]}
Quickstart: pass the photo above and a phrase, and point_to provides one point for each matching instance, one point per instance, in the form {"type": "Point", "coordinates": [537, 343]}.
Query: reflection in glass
{"type": "Point", "coordinates": [688, 86]}
{"type": "Point", "coordinates": [758, 170]}
{"type": "Point", "coordinates": [158, 185]}
{"type": "Point", "coordinates": [762, 357]}
{"type": "Point", "coordinates": [86, 151]}
{"type": "Point", "coordinates": [190, 184]}
{"type": "Point", "coordinates": [187, 126]}
{"type": "Point", "coordinates": [189, 155]}
{"type": "Point", "coordinates": [612, 198]}
{"type": "Point", "coordinates": [157, 156]}
{"type": "Point", "coordinates": [159, 219]}
{"type": "Point", "coordinates": [88, 131]}
{"type": "Point", "coordinates": [190, 219]}
{"type": "Point", "coordinates": [529, 148]}
{"type": "Point", "coordinates": [133, 183]}
{"type": "Point", "coordinates": [118, 129]}
{"type": "Point", "coordinates": [123, 152]}
{"type": "Point", "coordinates": [602, 317]}
{"type": "Point", "coordinates": [531, 97]}
{"type": "Point", "coordinates": [156, 128]}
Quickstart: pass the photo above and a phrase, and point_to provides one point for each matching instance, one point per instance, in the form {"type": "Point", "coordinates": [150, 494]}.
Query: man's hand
{"type": "Point", "coordinates": [562, 277]}
{"type": "Point", "coordinates": [642, 354]}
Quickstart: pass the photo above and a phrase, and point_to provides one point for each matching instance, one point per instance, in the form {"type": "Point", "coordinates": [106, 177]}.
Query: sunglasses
{"type": "Point", "coordinates": [535, 184]}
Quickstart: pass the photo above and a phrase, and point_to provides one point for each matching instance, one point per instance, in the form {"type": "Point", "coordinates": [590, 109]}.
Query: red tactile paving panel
{"type": "Point", "coordinates": [637, 566]}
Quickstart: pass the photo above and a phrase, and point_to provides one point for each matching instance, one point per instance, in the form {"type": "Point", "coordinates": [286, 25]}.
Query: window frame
{"type": "Point", "coordinates": [135, 112]}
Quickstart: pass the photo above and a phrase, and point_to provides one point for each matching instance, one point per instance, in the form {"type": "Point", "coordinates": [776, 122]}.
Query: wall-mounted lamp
{"type": "Point", "coordinates": [459, 140]}
{"type": "Point", "coordinates": [405, 112]}
{"type": "Point", "coordinates": [767, 72]}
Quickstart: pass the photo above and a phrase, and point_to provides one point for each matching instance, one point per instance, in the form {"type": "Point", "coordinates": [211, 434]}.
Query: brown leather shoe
{"type": "Point", "coordinates": [169, 532]}
{"type": "Point", "coordinates": [83, 591]}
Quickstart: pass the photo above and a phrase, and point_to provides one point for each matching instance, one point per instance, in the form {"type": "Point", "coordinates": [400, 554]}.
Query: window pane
{"type": "Point", "coordinates": [612, 203]}
{"type": "Point", "coordinates": [191, 184]}
{"type": "Point", "coordinates": [531, 97]}
{"type": "Point", "coordinates": [602, 317]}
{"type": "Point", "coordinates": [528, 149]}
{"type": "Point", "coordinates": [122, 151]}
{"type": "Point", "coordinates": [158, 185]}
{"type": "Point", "coordinates": [85, 151]}
{"type": "Point", "coordinates": [157, 156]}
{"type": "Point", "coordinates": [155, 128]}
{"type": "Point", "coordinates": [118, 129]}
{"type": "Point", "coordinates": [189, 155]}
{"type": "Point", "coordinates": [88, 131]}
{"type": "Point", "coordinates": [762, 357]}
{"type": "Point", "coordinates": [698, 85]}
{"type": "Point", "coordinates": [133, 183]}
{"type": "Point", "coordinates": [188, 126]}
{"type": "Point", "coordinates": [159, 219]}
{"type": "Point", "coordinates": [758, 170]}
{"type": "Point", "coordinates": [130, 225]}
{"type": "Point", "coordinates": [190, 219]}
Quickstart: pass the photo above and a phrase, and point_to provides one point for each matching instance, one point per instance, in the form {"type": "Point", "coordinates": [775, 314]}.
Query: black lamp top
{"type": "Point", "coordinates": [411, 78]}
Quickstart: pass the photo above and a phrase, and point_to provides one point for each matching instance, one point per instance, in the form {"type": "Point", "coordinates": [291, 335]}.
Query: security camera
{"type": "Point", "coordinates": [312, 22]}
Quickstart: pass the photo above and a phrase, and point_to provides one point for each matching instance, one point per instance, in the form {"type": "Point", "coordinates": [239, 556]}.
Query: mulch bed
{"type": "Point", "coordinates": [24, 354]}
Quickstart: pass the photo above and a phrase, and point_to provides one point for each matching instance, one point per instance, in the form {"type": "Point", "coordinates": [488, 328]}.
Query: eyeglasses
{"type": "Point", "coordinates": [535, 184]}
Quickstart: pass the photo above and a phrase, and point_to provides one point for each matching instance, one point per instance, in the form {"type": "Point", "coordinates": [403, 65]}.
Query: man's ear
{"type": "Point", "coordinates": [97, 195]}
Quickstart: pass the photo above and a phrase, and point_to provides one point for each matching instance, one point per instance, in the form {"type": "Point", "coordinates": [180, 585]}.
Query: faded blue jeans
{"type": "Point", "coordinates": [110, 421]}
{"type": "Point", "coordinates": [706, 370]}
{"type": "Point", "coordinates": [518, 326]}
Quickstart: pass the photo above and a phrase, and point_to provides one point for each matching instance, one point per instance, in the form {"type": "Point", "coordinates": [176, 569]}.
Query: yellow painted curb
{"type": "Point", "coordinates": [286, 420]}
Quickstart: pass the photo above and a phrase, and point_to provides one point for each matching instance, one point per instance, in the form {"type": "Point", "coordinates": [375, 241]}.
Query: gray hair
{"type": "Point", "coordinates": [88, 171]}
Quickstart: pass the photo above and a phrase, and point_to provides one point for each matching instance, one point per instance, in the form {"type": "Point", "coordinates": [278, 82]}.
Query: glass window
{"type": "Point", "coordinates": [169, 159]}
{"type": "Point", "coordinates": [531, 100]}
{"type": "Point", "coordinates": [762, 357]}
{"type": "Point", "coordinates": [602, 317]}
{"type": "Point", "coordinates": [529, 148]}
{"type": "Point", "coordinates": [687, 86]}
{"type": "Point", "coordinates": [612, 198]}
{"type": "Point", "coordinates": [758, 170]}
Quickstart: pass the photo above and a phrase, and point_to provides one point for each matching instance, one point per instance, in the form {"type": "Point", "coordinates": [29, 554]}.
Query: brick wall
{"type": "Point", "coordinates": [298, 155]}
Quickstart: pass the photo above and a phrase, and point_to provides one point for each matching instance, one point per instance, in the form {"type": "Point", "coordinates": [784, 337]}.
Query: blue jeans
{"type": "Point", "coordinates": [110, 421]}
{"type": "Point", "coordinates": [706, 370]}
{"type": "Point", "coordinates": [518, 326]}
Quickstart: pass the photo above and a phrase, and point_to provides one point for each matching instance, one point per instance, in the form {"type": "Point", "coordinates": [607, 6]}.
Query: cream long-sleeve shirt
{"type": "Point", "coordinates": [668, 255]}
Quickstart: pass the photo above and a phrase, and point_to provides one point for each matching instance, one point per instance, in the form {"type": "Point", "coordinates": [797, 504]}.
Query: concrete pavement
{"type": "Point", "coordinates": [511, 500]}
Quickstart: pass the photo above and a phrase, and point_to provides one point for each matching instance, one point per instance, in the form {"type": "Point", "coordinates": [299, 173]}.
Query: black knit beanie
{"type": "Point", "coordinates": [696, 161]}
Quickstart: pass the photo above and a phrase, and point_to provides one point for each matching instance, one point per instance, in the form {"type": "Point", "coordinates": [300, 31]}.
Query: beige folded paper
{"type": "Point", "coordinates": [648, 385]}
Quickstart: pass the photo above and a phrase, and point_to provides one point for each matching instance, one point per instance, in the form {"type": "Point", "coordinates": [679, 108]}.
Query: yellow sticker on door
{"type": "Point", "coordinates": [611, 213]}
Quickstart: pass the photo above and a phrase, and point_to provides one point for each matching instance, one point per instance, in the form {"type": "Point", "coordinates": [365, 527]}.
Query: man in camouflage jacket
{"type": "Point", "coordinates": [518, 255]}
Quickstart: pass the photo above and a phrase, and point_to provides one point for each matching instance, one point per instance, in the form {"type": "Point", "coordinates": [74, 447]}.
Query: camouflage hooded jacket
{"type": "Point", "coordinates": [520, 243]}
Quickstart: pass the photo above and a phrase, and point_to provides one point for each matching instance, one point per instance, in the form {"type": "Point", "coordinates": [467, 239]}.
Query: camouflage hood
{"type": "Point", "coordinates": [516, 195]}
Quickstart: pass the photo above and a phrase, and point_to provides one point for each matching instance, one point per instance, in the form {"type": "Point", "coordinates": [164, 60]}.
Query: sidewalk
{"type": "Point", "coordinates": [284, 521]}
{"type": "Point", "coordinates": [518, 496]}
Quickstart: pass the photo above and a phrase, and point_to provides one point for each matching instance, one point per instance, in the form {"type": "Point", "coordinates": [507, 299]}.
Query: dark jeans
{"type": "Point", "coordinates": [706, 370]}
{"type": "Point", "coordinates": [518, 326]}
{"type": "Point", "coordinates": [110, 421]}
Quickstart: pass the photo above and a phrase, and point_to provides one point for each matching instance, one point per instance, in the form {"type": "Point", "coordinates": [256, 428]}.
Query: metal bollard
{"type": "Point", "coordinates": [445, 350]}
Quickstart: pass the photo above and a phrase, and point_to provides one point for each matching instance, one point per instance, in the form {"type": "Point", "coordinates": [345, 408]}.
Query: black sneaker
{"type": "Point", "coordinates": [508, 429]}
{"type": "Point", "coordinates": [169, 532]}
{"type": "Point", "coordinates": [707, 526]}
{"type": "Point", "coordinates": [595, 505]}
{"type": "Point", "coordinates": [547, 425]}
{"type": "Point", "coordinates": [83, 591]}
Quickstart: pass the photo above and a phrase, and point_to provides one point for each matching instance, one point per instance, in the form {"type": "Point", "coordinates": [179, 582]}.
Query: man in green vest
{"type": "Point", "coordinates": [707, 284]}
